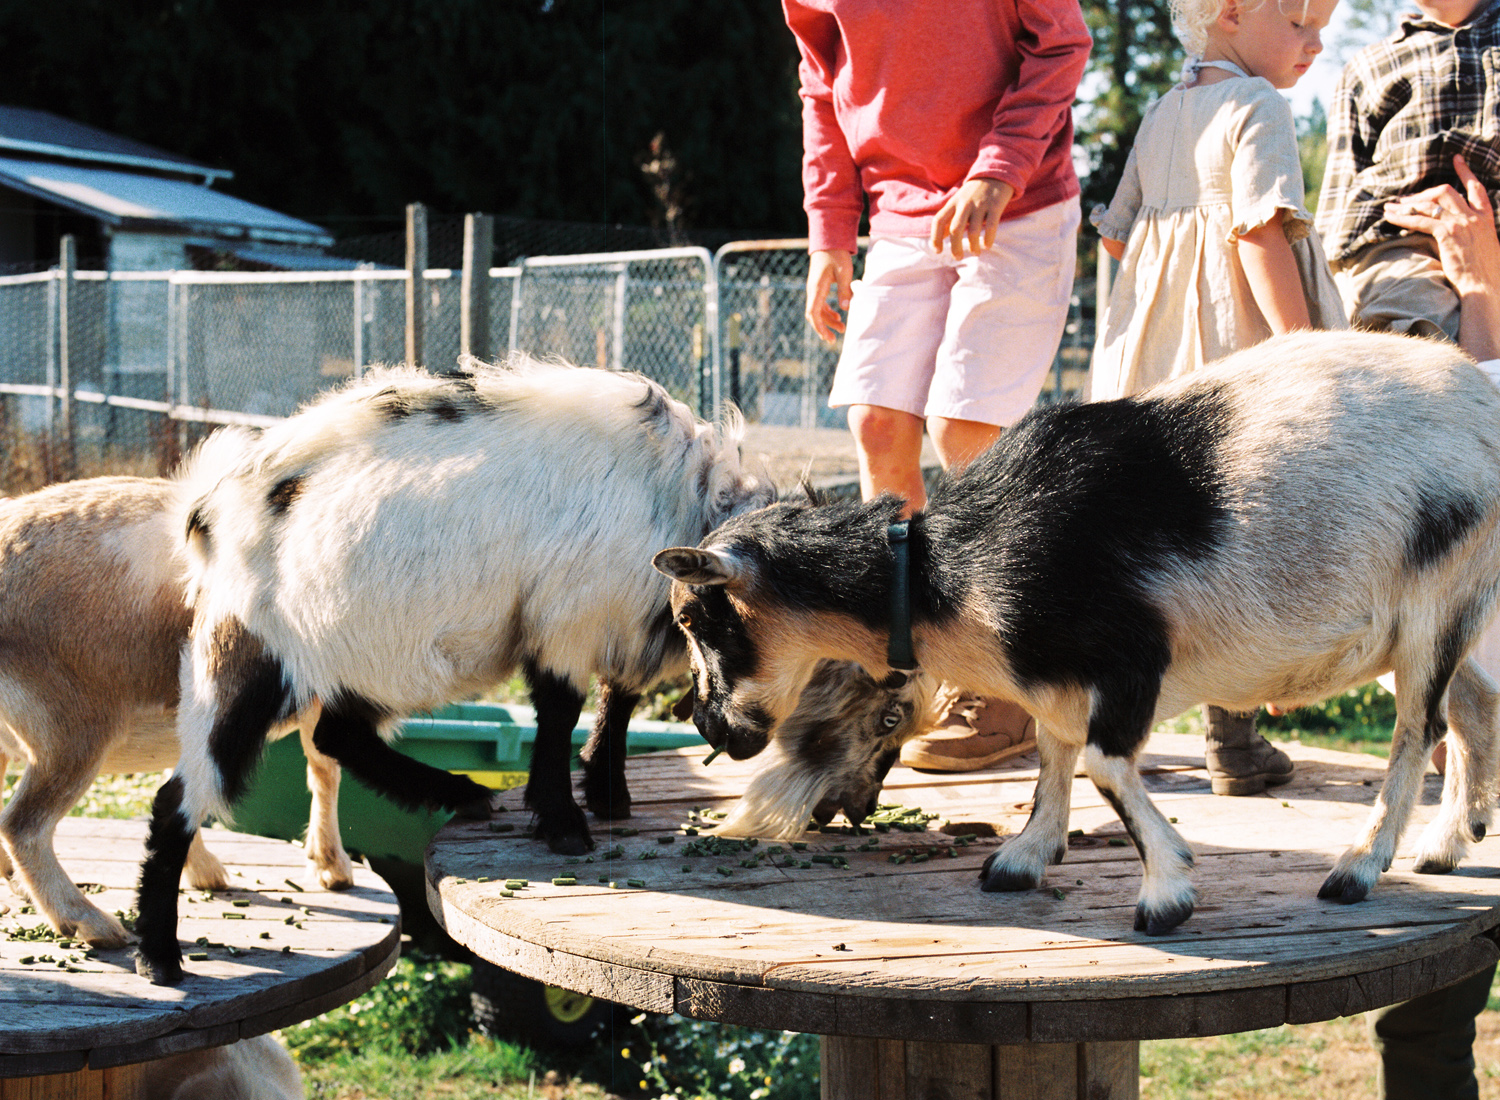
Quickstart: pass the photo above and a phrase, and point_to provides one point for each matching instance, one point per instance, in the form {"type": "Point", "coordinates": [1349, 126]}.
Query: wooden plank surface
{"type": "Point", "coordinates": [276, 949]}
{"type": "Point", "coordinates": [888, 935]}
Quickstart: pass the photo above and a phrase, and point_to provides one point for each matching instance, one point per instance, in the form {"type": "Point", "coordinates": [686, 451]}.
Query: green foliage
{"type": "Point", "coordinates": [1312, 148]}
{"type": "Point", "coordinates": [344, 113]}
{"type": "Point", "coordinates": [421, 1007]}
{"type": "Point", "coordinates": [1136, 57]}
{"type": "Point", "coordinates": [687, 1059]}
{"type": "Point", "coordinates": [1366, 713]}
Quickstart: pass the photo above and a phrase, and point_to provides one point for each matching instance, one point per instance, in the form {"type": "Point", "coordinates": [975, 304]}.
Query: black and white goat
{"type": "Point", "coordinates": [93, 620]}
{"type": "Point", "coordinates": [1295, 520]}
{"type": "Point", "coordinates": [412, 539]}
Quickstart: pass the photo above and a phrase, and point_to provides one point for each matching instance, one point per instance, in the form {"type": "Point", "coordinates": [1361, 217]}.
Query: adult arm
{"type": "Point", "coordinates": [1053, 42]}
{"type": "Point", "coordinates": [1463, 225]}
{"type": "Point", "coordinates": [831, 190]}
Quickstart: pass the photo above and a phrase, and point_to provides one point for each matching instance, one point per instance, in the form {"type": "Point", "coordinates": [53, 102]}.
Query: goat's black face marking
{"type": "Point", "coordinates": [283, 493]}
{"type": "Point", "coordinates": [1443, 517]}
{"type": "Point", "coordinates": [726, 654]}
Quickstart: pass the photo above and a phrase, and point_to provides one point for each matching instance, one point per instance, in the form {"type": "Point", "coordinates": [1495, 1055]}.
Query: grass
{"type": "Point", "coordinates": [410, 1038]}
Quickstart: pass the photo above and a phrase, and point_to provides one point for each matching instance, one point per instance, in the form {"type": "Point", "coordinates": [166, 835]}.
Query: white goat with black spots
{"type": "Point", "coordinates": [412, 539]}
{"type": "Point", "coordinates": [1293, 521]}
{"type": "Point", "coordinates": [93, 620]}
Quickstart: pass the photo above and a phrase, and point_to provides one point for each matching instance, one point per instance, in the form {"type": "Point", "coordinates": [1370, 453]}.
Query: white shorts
{"type": "Point", "coordinates": [969, 339]}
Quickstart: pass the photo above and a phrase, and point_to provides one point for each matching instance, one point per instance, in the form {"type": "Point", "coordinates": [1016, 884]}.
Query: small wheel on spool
{"type": "Point", "coordinates": [508, 1005]}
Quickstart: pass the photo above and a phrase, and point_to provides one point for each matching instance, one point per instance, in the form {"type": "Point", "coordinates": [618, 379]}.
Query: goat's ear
{"type": "Point", "coordinates": [691, 565]}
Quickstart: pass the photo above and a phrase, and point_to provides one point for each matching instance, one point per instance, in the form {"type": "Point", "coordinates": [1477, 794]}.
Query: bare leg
{"type": "Point", "coordinates": [888, 443]}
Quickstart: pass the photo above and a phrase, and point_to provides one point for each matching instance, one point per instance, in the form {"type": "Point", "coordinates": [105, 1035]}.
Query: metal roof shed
{"type": "Point", "coordinates": [147, 205]}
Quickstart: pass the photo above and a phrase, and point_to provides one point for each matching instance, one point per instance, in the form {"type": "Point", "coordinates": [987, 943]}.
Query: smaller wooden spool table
{"type": "Point", "coordinates": [77, 1026]}
{"type": "Point", "coordinates": [922, 986]}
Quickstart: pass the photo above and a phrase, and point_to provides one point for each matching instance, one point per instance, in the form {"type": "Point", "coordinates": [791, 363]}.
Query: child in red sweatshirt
{"type": "Point", "coordinates": [952, 120]}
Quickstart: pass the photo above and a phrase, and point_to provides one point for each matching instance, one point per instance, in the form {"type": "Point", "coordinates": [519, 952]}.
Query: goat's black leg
{"type": "Point", "coordinates": [159, 958]}
{"type": "Point", "coordinates": [248, 696]}
{"type": "Point", "coordinates": [347, 730]}
{"type": "Point", "coordinates": [549, 791]}
{"type": "Point", "coordinates": [604, 788]}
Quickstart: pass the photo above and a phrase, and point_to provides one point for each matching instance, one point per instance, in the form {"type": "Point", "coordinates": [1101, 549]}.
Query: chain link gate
{"type": "Point", "coordinates": [654, 312]}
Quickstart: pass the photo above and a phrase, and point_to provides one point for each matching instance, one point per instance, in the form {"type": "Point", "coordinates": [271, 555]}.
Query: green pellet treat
{"type": "Point", "coordinates": [293, 885]}
{"type": "Point", "coordinates": [804, 865]}
{"type": "Point", "coordinates": [624, 830]}
{"type": "Point", "coordinates": [483, 878]}
{"type": "Point", "coordinates": [689, 831]}
{"type": "Point", "coordinates": [565, 880]}
{"type": "Point", "coordinates": [242, 903]}
{"type": "Point", "coordinates": [1173, 820]}
{"type": "Point", "coordinates": [287, 950]}
{"type": "Point", "coordinates": [515, 883]}
{"type": "Point", "coordinates": [1075, 833]}
{"type": "Point", "coordinates": [921, 857]}
{"type": "Point", "coordinates": [507, 893]}
{"type": "Point", "coordinates": [1058, 894]}
{"type": "Point", "coordinates": [603, 878]}
{"type": "Point", "coordinates": [799, 845]}
{"type": "Point", "coordinates": [1117, 842]}
{"type": "Point", "coordinates": [711, 757]}
{"type": "Point", "coordinates": [265, 935]}
{"type": "Point", "coordinates": [502, 826]}
{"type": "Point", "coordinates": [233, 916]}
{"type": "Point", "coordinates": [27, 960]}
{"type": "Point", "coordinates": [668, 839]}
{"type": "Point", "coordinates": [193, 956]}
{"type": "Point", "coordinates": [638, 883]}
{"type": "Point", "coordinates": [724, 871]}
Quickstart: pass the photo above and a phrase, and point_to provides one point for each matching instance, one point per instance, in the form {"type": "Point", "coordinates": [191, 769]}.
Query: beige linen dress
{"type": "Point", "coordinates": [1209, 164]}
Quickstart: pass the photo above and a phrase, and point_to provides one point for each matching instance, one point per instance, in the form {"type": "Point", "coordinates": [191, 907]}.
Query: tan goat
{"type": "Point", "coordinates": [92, 625]}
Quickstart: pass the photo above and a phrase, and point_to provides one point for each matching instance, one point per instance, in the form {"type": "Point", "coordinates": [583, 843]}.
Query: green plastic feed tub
{"type": "Point", "coordinates": [489, 741]}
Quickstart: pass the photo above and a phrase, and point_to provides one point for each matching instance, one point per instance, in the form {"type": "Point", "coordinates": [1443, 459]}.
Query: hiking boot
{"type": "Point", "coordinates": [972, 733]}
{"type": "Point", "coordinates": [1241, 761]}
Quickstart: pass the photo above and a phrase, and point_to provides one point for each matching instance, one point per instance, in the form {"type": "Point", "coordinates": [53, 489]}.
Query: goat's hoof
{"type": "Point", "coordinates": [1162, 919]}
{"type": "Point", "coordinates": [163, 971]}
{"type": "Point", "coordinates": [570, 844]}
{"type": "Point", "coordinates": [1344, 888]}
{"type": "Point", "coordinates": [479, 809]}
{"type": "Point", "coordinates": [613, 810]}
{"type": "Point", "coordinates": [1434, 865]}
{"type": "Point", "coordinates": [1004, 880]}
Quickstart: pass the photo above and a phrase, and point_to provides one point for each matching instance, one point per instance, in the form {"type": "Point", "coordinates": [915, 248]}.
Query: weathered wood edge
{"type": "Point", "coordinates": [1169, 1016]}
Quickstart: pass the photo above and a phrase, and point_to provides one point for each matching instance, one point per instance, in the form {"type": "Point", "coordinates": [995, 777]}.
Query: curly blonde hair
{"type": "Point", "coordinates": [1192, 18]}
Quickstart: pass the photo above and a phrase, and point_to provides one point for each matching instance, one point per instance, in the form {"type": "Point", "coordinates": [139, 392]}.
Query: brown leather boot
{"type": "Point", "coordinates": [973, 733]}
{"type": "Point", "coordinates": [1241, 761]}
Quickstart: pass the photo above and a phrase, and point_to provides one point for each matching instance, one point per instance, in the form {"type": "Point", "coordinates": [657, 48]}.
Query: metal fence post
{"type": "Point", "coordinates": [416, 268]}
{"type": "Point", "coordinates": [67, 264]}
{"type": "Point", "coordinates": [474, 288]}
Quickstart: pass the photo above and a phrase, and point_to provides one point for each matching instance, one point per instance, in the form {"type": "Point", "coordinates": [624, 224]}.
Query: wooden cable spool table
{"type": "Point", "coordinates": [75, 1025]}
{"type": "Point", "coordinates": [924, 987]}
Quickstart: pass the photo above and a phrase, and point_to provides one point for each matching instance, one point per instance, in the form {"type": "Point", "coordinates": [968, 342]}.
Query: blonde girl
{"type": "Point", "coordinates": [1208, 222]}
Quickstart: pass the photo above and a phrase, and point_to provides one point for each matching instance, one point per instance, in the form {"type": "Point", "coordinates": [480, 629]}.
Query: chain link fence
{"type": "Point", "coordinates": [121, 372]}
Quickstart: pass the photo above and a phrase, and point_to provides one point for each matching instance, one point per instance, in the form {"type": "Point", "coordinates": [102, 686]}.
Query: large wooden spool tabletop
{"type": "Point", "coordinates": [83, 1017]}
{"type": "Point", "coordinates": [933, 988]}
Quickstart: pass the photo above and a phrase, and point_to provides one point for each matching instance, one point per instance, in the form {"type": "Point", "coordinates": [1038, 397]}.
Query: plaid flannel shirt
{"type": "Point", "coordinates": [1401, 110]}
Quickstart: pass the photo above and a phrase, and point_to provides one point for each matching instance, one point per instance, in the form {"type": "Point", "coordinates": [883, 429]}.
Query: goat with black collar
{"type": "Point", "coordinates": [1281, 526]}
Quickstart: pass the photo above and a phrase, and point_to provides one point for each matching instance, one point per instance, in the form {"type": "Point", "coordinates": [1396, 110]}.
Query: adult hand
{"type": "Point", "coordinates": [971, 215]}
{"type": "Point", "coordinates": [1463, 226]}
{"type": "Point", "coordinates": [830, 269]}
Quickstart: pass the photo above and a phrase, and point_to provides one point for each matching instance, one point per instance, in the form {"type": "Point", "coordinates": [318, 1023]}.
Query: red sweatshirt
{"type": "Point", "coordinates": [905, 100]}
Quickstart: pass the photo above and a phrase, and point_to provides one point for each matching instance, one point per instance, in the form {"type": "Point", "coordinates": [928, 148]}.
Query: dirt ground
{"type": "Point", "coordinates": [826, 454]}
